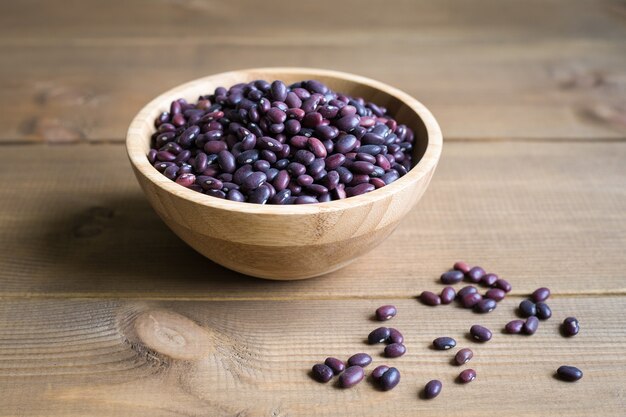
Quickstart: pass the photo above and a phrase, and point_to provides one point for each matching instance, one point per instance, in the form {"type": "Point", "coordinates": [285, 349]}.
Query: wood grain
{"type": "Point", "coordinates": [139, 358]}
{"type": "Point", "coordinates": [536, 213]}
{"type": "Point", "coordinates": [537, 70]}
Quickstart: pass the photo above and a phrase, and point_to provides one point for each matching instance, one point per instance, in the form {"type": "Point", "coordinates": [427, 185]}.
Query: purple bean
{"type": "Point", "coordinates": [448, 294]}
{"type": "Point", "coordinates": [379, 371]}
{"type": "Point", "coordinates": [444, 343]}
{"type": "Point", "coordinates": [470, 300]}
{"type": "Point", "coordinates": [570, 327]}
{"type": "Point", "coordinates": [531, 325]}
{"type": "Point", "coordinates": [540, 294]}
{"type": "Point", "coordinates": [463, 356]}
{"type": "Point", "coordinates": [467, 376]}
{"type": "Point", "coordinates": [543, 311]}
{"type": "Point", "coordinates": [335, 364]}
{"type": "Point", "coordinates": [395, 350]}
{"type": "Point", "coordinates": [475, 274]}
{"type": "Point", "coordinates": [495, 294]}
{"type": "Point", "coordinates": [395, 336]}
{"type": "Point", "coordinates": [389, 379]}
{"type": "Point", "coordinates": [432, 389]}
{"type": "Point", "coordinates": [386, 312]}
{"type": "Point", "coordinates": [569, 373]}
{"type": "Point", "coordinates": [430, 298]}
{"type": "Point", "coordinates": [503, 285]}
{"type": "Point", "coordinates": [378, 335]}
{"type": "Point", "coordinates": [451, 277]}
{"type": "Point", "coordinates": [322, 373]}
{"type": "Point", "coordinates": [486, 305]}
{"type": "Point", "coordinates": [351, 376]}
{"type": "Point", "coordinates": [360, 359]}
{"type": "Point", "coordinates": [527, 308]}
{"type": "Point", "coordinates": [480, 333]}
{"type": "Point", "coordinates": [489, 279]}
{"type": "Point", "coordinates": [514, 327]}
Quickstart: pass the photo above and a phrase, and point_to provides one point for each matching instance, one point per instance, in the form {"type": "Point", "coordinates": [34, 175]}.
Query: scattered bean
{"type": "Point", "coordinates": [462, 266]}
{"type": "Point", "coordinates": [543, 311]}
{"type": "Point", "coordinates": [351, 376]}
{"type": "Point", "coordinates": [495, 294]}
{"type": "Point", "coordinates": [471, 299]}
{"type": "Point", "coordinates": [430, 298]}
{"type": "Point", "coordinates": [378, 335]}
{"type": "Point", "coordinates": [527, 308]}
{"type": "Point", "coordinates": [467, 376]}
{"type": "Point", "coordinates": [389, 379]}
{"type": "Point", "coordinates": [569, 373]}
{"type": "Point", "coordinates": [379, 371]}
{"type": "Point", "coordinates": [485, 305]}
{"type": "Point", "coordinates": [386, 312]}
{"type": "Point", "coordinates": [432, 389]}
{"type": "Point", "coordinates": [463, 356]}
{"type": "Point", "coordinates": [395, 336]}
{"type": "Point", "coordinates": [448, 294]}
{"type": "Point", "coordinates": [395, 350]}
{"type": "Point", "coordinates": [540, 294]}
{"type": "Point", "coordinates": [503, 285]}
{"type": "Point", "coordinates": [531, 325]}
{"type": "Point", "coordinates": [470, 289]}
{"type": "Point", "coordinates": [322, 373]}
{"type": "Point", "coordinates": [451, 277]}
{"type": "Point", "coordinates": [335, 364]}
{"type": "Point", "coordinates": [480, 333]}
{"type": "Point", "coordinates": [489, 279]}
{"type": "Point", "coordinates": [475, 274]}
{"type": "Point", "coordinates": [570, 326]}
{"type": "Point", "coordinates": [360, 359]}
{"type": "Point", "coordinates": [514, 327]}
{"type": "Point", "coordinates": [444, 343]}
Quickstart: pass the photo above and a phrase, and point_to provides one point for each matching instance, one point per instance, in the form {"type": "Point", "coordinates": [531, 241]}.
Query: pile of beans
{"type": "Point", "coordinates": [272, 143]}
{"type": "Point", "coordinates": [386, 378]}
{"type": "Point", "coordinates": [468, 296]}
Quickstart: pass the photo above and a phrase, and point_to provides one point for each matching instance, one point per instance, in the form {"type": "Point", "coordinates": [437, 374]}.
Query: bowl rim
{"type": "Point", "coordinates": [137, 156]}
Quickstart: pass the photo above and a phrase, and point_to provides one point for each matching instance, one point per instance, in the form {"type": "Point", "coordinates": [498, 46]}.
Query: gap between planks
{"type": "Point", "coordinates": [160, 297]}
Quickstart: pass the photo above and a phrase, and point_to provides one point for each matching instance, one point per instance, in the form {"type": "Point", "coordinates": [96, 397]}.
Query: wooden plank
{"type": "Point", "coordinates": [76, 224]}
{"type": "Point", "coordinates": [105, 357]}
{"type": "Point", "coordinates": [486, 71]}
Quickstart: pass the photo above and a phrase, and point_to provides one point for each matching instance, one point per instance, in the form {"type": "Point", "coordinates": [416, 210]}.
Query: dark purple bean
{"type": "Point", "coordinates": [570, 327]}
{"type": "Point", "coordinates": [178, 120]}
{"type": "Point", "coordinates": [527, 308]}
{"type": "Point", "coordinates": [395, 336]}
{"type": "Point", "coordinates": [347, 123]}
{"type": "Point", "coordinates": [183, 156]}
{"type": "Point", "coordinates": [359, 189]}
{"type": "Point", "coordinates": [379, 371]}
{"type": "Point", "coordinates": [475, 274]}
{"type": "Point", "coordinates": [390, 177]}
{"type": "Point", "coordinates": [317, 189]}
{"type": "Point", "coordinates": [351, 376]}
{"type": "Point", "coordinates": [569, 373]}
{"type": "Point", "coordinates": [281, 197]}
{"type": "Point", "coordinates": [463, 356]}
{"type": "Point", "coordinates": [430, 298]}
{"type": "Point", "coordinates": [370, 149]}
{"type": "Point", "coordinates": [259, 195]}
{"type": "Point", "coordinates": [165, 156]}
{"type": "Point", "coordinates": [514, 327]}
{"type": "Point", "coordinates": [503, 285]}
{"type": "Point", "coordinates": [281, 181]}
{"type": "Point", "coordinates": [386, 312]}
{"type": "Point", "coordinates": [389, 379]}
{"type": "Point", "coordinates": [292, 100]}
{"type": "Point", "coordinates": [268, 156]}
{"type": "Point", "coordinates": [271, 144]}
{"type": "Point", "coordinates": [306, 199]}
{"type": "Point", "coordinates": [317, 147]}
{"type": "Point", "coordinates": [334, 161]}
{"type": "Point", "coordinates": [278, 91]}
{"type": "Point", "coordinates": [486, 305]}
{"type": "Point", "coordinates": [226, 161]}
{"type": "Point", "coordinates": [248, 157]}
{"type": "Point", "coordinates": [365, 157]}
{"type": "Point", "coordinates": [276, 115]}
{"type": "Point", "coordinates": [329, 111]}
{"type": "Point", "coordinates": [171, 172]}
{"type": "Point", "coordinates": [254, 180]}
{"type": "Point", "coordinates": [543, 311]}
{"type": "Point", "coordinates": [299, 142]}
{"type": "Point", "coordinates": [242, 172]}
{"type": "Point", "coordinates": [470, 300]}
{"type": "Point", "coordinates": [489, 279]}
{"type": "Point", "coordinates": [200, 162]}
{"type": "Point", "coordinates": [326, 132]}
{"type": "Point", "coordinates": [304, 180]}
{"type": "Point", "coordinates": [432, 389]}
{"type": "Point", "coordinates": [322, 373]}
{"type": "Point", "coordinates": [467, 376]}
{"type": "Point", "coordinates": [372, 139]}
{"type": "Point", "coordinates": [185, 169]}
{"type": "Point", "coordinates": [359, 179]}
{"type": "Point", "coordinates": [448, 294]}
{"type": "Point", "coordinates": [531, 325]}
{"type": "Point", "coordinates": [315, 86]}
{"type": "Point", "coordinates": [395, 350]}
{"type": "Point", "coordinates": [152, 156]}
{"type": "Point", "coordinates": [451, 277]}
{"type": "Point", "coordinates": [540, 294]}
{"type": "Point", "coordinates": [292, 126]}
{"type": "Point", "coordinates": [336, 365]}
{"type": "Point", "coordinates": [296, 169]}
{"type": "Point", "coordinates": [261, 165]}
{"type": "Point", "coordinates": [312, 120]}
{"type": "Point", "coordinates": [227, 186]}
{"type": "Point", "coordinates": [186, 180]}
{"type": "Point", "coordinates": [345, 144]}
{"type": "Point", "coordinates": [378, 335]}
{"type": "Point", "coordinates": [469, 289]}
{"type": "Point", "coordinates": [360, 359]}
{"type": "Point", "coordinates": [480, 333]}
{"type": "Point", "coordinates": [209, 183]}
{"type": "Point", "coordinates": [162, 166]}
{"type": "Point", "coordinates": [444, 343]}
{"type": "Point", "coordinates": [345, 176]}
{"type": "Point", "coordinates": [304, 157]}
{"type": "Point", "coordinates": [362, 167]}
{"type": "Point", "coordinates": [495, 294]}
{"type": "Point", "coordinates": [377, 182]}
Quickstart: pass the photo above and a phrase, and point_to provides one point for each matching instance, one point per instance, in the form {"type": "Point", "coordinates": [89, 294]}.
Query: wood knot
{"type": "Point", "coordinates": [173, 335]}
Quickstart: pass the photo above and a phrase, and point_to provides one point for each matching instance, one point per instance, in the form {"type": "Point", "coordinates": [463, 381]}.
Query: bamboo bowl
{"type": "Point", "coordinates": [295, 241]}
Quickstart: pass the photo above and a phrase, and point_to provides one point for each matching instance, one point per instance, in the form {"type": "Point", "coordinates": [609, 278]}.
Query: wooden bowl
{"type": "Point", "coordinates": [294, 241]}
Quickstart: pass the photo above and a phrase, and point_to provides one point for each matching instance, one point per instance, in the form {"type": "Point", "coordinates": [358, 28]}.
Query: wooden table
{"type": "Point", "coordinates": [105, 312]}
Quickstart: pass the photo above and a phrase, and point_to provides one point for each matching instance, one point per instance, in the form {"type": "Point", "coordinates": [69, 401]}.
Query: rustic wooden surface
{"type": "Point", "coordinates": [105, 312]}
